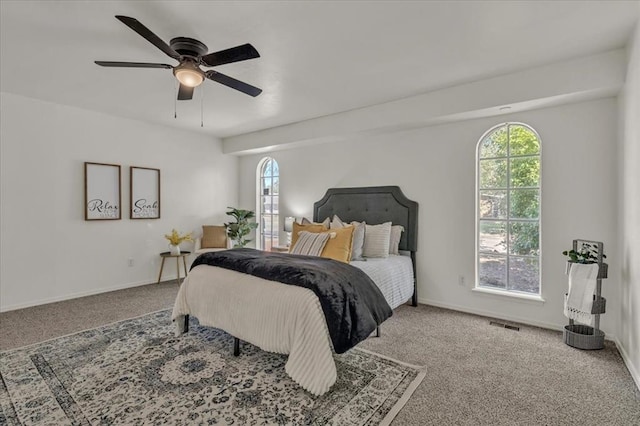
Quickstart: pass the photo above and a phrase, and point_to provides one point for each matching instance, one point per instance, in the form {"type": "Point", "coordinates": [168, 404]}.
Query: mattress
{"type": "Point", "coordinates": [393, 276]}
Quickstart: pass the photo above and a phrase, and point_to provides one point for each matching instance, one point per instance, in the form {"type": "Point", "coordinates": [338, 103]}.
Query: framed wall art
{"type": "Point", "coordinates": [102, 199]}
{"type": "Point", "coordinates": [145, 193]}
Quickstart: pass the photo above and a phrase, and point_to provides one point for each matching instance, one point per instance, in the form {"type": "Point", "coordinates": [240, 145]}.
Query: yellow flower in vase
{"type": "Point", "coordinates": [175, 239]}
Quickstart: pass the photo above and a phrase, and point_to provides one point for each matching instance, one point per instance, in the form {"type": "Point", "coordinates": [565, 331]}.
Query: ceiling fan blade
{"type": "Point", "coordinates": [233, 83]}
{"type": "Point", "coordinates": [234, 54]}
{"type": "Point", "coordinates": [145, 32]}
{"type": "Point", "coordinates": [132, 64]}
{"type": "Point", "coordinates": [185, 93]}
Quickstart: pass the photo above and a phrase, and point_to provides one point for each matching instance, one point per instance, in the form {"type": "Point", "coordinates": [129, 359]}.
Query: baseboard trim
{"type": "Point", "coordinates": [491, 314]}
{"type": "Point", "coordinates": [80, 294]}
{"type": "Point", "coordinates": [627, 361]}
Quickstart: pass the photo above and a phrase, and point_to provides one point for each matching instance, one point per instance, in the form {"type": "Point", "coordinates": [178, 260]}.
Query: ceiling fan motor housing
{"type": "Point", "coordinates": [188, 46]}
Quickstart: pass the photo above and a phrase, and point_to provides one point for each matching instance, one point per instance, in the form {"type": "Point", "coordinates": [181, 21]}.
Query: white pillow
{"type": "Point", "coordinates": [337, 223]}
{"type": "Point", "coordinates": [358, 240]}
{"type": "Point", "coordinates": [394, 239]}
{"type": "Point", "coordinates": [311, 243]}
{"type": "Point", "coordinates": [376, 240]}
{"type": "Point", "coordinates": [358, 235]}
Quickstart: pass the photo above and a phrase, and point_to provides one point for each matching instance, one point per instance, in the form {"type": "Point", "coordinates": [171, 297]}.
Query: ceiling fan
{"type": "Point", "coordinates": [191, 54]}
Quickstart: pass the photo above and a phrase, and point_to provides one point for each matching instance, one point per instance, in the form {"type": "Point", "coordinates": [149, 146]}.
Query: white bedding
{"type": "Point", "coordinates": [393, 276]}
{"type": "Point", "coordinates": [280, 318]}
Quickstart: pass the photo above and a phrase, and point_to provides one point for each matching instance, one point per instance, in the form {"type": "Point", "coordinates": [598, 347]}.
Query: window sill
{"type": "Point", "coordinates": [519, 296]}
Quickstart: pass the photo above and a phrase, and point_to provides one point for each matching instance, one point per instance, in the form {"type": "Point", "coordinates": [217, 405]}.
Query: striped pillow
{"type": "Point", "coordinates": [310, 243]}
{"type": "Point", "coordinates": [376, 240]}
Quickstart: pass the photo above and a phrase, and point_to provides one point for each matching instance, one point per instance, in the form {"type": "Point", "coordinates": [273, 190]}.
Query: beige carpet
{"type": "Point", "coordinates": [477, 374]}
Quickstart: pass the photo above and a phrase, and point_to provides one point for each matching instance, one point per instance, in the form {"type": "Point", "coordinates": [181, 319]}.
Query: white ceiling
{"type": "Point", "coordinates": [318, 58]}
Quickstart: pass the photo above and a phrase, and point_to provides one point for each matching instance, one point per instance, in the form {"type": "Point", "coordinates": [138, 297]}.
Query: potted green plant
{"type": "Point", "coordinates": [587, 253]}
{"type": "Point", "coordinates": [242, 227]}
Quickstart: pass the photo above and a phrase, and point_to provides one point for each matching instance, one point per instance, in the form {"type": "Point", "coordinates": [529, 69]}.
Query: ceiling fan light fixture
{"type": "Point", "coordinates": [188, 74]}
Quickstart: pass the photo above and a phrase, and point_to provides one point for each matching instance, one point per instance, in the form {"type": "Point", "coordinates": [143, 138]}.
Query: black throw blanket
{"type": "Point", "coordinates": [353, 305]}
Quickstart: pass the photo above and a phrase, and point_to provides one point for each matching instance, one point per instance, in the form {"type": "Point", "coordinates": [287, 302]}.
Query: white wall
{"type": "Point", "coordinates": [436, 167]}
{"type": "Point", "coordinates": [48, 251]}
{"type": "Point", "coordinates": [629, 335]}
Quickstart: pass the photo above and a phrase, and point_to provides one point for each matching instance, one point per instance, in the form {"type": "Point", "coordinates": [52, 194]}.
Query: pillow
{"type": "Point", "coordinates": [339, 248]}
{"type": "Point", "coordinates": [214, 236]}
{"type": "Point", "coordinates": [309, 228]}
{"type": "Point", "coordinates": [310, 243]}
{"type": "Point", "coordinates": [324, 223]}
{"type": "Point", "coordinates": [358, 235]}
{"type": "Point", "coordinates": [376, 240]}
{"type": "Point", "coordinates": [394, 238]}
{"type": "Point", "coordinates": [358, 240]}
{"type": "Point", "coordinates": [337, 223]}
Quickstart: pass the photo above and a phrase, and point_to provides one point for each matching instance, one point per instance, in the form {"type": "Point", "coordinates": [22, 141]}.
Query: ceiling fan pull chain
{"type": "Point", "coordinates": [202, 106]}
{"type": "Point", "coordinates": [175, 99]}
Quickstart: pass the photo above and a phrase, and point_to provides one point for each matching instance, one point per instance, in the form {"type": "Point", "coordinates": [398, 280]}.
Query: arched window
{"type": "Point", "coordinates": [268, 194]}
{"type": "Point", "coordinates": [508, 210]}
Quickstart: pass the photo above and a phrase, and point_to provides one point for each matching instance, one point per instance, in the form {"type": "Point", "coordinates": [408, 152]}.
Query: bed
{"type": "Point", "coordinates": [288, 319]}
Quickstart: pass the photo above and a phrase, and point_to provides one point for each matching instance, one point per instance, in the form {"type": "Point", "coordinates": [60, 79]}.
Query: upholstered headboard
{"type": "Point", "coordinates": [374, 205]}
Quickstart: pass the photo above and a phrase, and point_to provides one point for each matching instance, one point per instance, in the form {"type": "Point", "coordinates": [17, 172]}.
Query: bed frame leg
{"type": "Point", "coordinates": [378, 331]}
{"type": "Point", "coordinates": [414, 299]}
{"type": "Point", "coordinates": [236, 346]}
{"type": "Point", "coordinates": [185, 328]}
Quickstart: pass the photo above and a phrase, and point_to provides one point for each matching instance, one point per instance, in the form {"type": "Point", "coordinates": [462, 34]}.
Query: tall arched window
{"type": "Point", "coordinates": [508, 210]}
{"type": "Point", "coordinates": [268, 194]}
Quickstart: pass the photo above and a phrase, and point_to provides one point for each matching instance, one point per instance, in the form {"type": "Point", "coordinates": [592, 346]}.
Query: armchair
{"type": "Point", "coordinates": [214, 238]}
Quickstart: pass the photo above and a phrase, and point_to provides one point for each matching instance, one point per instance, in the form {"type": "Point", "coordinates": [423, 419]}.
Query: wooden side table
{"type": "Point", "coordinates": [183, 255]}
{"type": "Point", "coordinates": [280, 249]}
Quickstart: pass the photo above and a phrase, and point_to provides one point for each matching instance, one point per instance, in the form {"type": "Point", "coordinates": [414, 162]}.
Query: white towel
{"type": "Point", "coordinates": [582, 287]}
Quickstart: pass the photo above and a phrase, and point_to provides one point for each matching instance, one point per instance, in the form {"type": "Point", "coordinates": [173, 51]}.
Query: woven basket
{"type": "Point", "coordinates": [582, 337]}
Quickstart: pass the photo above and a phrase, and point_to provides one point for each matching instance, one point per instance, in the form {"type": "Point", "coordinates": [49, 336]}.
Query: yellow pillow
{"type": "Point", "coordinates": [214, 237]}
{"type": "Point", "coordinates": [318, 227]}
{"type": "Point", "coordinates": [339, 248]}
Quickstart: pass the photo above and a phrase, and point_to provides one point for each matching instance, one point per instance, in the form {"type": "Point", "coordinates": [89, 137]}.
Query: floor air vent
{"type": "Point", "coordinates": [504, 325]}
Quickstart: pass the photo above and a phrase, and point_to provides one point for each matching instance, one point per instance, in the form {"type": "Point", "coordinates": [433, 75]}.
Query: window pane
{"type": "Point", "coordinates": [493, 237]}
{"type": "Point", "coordinates": [276, 185]}
{"type": "Point", "coordinates": [263, 222]}
{"type": "Point", "coordinates": [525, 203]}
{"type": "Point", "coordinates": [266, 187]}
{"type": "Point", "coordinates": [274, 204]}
{"type": "Point", "coordinates": [276, 230]}
{"type": "Point", "coordinates": [494, 144]}
{"type": "Point", "coordinates": [524, 238]}
{"type": "Point", "coordinates": [268, 168]}
{"type": "Point", "coordinates": [524, 273]}
{"type": "Point", "coordinates": [525, 171]}
{"type": "Point", "coordinates": [492, 271]}
{"type": "Point", "coordinates": [493, 173]}
{"type": "Point", "coordinates": [266, 205]}
{"type": "Point", "coordinates": [522, 141]}
{"type": "Point", "coordinates": [493, 204]}
{"type": "Point", "coordinates": [275, 168]}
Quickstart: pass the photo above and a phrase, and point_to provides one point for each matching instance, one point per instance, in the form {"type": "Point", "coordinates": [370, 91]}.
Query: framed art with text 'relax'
{"type": "Point", "coordinates": [145, 193]}
{"type": "Point", "coordinates": [102, 197]}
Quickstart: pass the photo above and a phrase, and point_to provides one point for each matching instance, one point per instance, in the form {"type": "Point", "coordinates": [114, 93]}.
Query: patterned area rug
{"type": "Point", "coordinates": [137, 372]}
